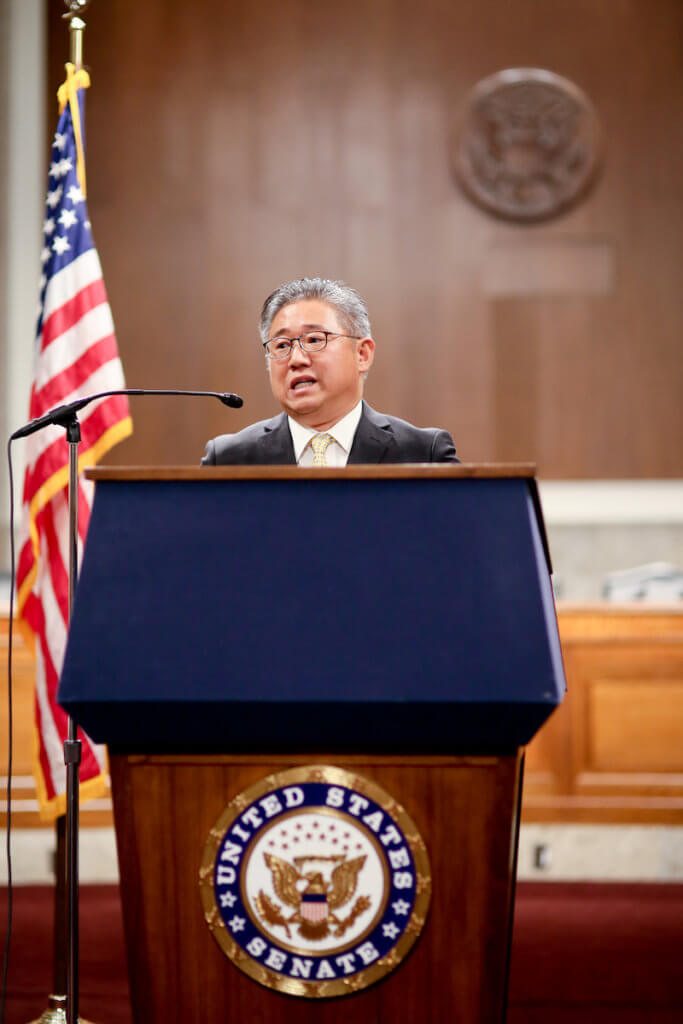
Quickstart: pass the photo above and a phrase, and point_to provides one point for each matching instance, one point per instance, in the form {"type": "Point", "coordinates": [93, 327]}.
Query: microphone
{"type": "Point", "coordinates": [63, 415]}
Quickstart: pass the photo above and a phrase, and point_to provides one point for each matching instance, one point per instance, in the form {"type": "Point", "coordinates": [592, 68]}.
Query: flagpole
{"type": "Point", "coordinates": [72, 745]}
{"type": "Point", "coordinates": [76, 30]}
{"type": "Point", "coordinates": [64, 1008]}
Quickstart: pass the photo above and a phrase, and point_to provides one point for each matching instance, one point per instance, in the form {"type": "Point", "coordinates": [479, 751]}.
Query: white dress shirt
{"type": "Point", "coordinates": [343, 433]}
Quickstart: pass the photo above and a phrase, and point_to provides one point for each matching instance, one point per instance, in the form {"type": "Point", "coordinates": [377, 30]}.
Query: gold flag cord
{"type": "Point", "coordinates": [68, 93]}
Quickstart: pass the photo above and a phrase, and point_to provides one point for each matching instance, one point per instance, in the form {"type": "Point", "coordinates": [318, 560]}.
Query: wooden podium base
{"type": "Point", "coordinates": [467, 812]}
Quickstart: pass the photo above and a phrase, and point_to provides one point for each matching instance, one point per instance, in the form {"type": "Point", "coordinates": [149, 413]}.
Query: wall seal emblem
{"type": "Point", "coordinates": [527, 144]}
{"type": "Point", "coordinates": [315, 882]}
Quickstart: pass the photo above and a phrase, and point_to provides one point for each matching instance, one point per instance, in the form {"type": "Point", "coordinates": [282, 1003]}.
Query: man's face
{"type": "Point", "coordinates": [318, 388]}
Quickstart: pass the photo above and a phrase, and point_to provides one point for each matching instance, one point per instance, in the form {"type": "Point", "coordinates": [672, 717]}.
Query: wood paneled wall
{"type": "Point", "coordinates": [235, 145]}
{"type": "Point", "coordinates": [612, 752]}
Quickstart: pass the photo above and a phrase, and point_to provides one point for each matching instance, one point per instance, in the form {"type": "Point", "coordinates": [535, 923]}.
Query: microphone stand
{"type": "Point", "coordinates": [65, 1007]}
{"type": "Point", "coordinates": [72, 749]}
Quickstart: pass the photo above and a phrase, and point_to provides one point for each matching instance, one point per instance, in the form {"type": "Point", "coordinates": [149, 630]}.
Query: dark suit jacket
{"type": "Point", "coordinates": [379, 438]}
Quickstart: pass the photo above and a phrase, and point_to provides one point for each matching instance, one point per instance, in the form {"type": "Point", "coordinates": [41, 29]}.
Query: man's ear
{"type": "Point", "coordinates": [365, 354]}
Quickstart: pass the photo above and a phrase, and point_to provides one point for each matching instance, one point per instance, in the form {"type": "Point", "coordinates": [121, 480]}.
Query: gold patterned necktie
{"type": "Point", "coordinates": [320, 443]}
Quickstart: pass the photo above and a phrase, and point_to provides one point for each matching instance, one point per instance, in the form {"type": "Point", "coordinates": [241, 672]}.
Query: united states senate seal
{"type": "Point", "coordinates": [315, 882]}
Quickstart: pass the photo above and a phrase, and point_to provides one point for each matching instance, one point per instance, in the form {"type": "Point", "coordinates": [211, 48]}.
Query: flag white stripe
{"type": "Point", "coordinates": [52, 741]}
{"type": "Point", "coordinates": [69, 281]}
{"type": "Point", "coordinates": [99, 753]}
{"type": "Point", "coordinates": [55, 626]}
{"type": "Point", "coordinates": [60, 519]}
{"type": "Point", "coordinates": [73, 343]}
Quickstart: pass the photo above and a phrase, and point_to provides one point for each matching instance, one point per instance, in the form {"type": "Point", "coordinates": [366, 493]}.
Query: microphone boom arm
{"type": "Point", "coordinates": [63, 415]}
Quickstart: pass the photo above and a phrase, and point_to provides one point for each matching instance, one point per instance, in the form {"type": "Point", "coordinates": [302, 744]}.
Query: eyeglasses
{"type": "Point", "coordinates": [312, 341]}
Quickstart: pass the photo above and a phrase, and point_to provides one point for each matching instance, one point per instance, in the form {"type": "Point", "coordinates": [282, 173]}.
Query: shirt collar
{"type": "Point", "coordinates": [343, 431]}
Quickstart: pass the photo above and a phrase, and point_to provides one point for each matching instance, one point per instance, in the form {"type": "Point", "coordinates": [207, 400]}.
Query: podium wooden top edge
{"type": "Point", "coordinates": [404, 471]}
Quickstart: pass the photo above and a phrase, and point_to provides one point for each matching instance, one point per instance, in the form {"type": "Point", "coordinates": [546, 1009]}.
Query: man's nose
{"type": "Point", "coordinates": [297, 356]}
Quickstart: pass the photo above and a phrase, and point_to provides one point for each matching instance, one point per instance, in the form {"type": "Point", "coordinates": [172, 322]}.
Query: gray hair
{"type": "Point", "coordinates": [345, 300]}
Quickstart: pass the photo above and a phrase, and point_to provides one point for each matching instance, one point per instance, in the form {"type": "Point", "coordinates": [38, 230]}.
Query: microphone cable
{"type": "Point", "coordinates": [10, 741]}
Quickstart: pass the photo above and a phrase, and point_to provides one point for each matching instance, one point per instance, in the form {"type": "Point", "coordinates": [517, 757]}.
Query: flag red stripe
{"type": "Point", "coordinates": [53, 710]}
{"type": "Point", "coordinates": [67, 316]}
{"type": "Point", "coordinates": [25, 561]}
{"type": "Point", "coordinates": [74, 376]}
{"type": "Point", "coordinates": [83, 513]}
{"type": "Point", "coordinates": [33, 613]}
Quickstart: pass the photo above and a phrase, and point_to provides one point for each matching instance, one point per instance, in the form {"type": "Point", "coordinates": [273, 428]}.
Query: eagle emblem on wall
{"type": "Point", "coordinates": [527, 144]}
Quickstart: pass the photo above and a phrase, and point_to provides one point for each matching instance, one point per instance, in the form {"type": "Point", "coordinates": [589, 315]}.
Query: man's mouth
{"type": "Point", "coordinates": [301, 383]}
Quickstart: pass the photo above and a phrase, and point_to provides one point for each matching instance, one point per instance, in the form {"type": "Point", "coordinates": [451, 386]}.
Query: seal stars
{"type": "Point", "coordinates": [319, 878]}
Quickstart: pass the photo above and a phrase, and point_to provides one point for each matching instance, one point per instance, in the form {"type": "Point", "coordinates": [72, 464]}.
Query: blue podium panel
{"type": "Point", "coordinates": [292, 610]}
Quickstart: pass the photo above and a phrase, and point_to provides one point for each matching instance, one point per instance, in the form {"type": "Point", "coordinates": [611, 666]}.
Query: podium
{"type": "Point", "coordinates": [392, 624]}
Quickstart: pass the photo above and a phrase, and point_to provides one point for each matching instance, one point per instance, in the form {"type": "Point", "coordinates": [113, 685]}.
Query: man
{"type": "Point", "coordinates": [318, 348]}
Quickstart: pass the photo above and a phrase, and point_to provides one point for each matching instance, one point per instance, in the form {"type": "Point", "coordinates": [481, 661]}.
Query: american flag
{"type": "Point", "coordinates": [75, 355]}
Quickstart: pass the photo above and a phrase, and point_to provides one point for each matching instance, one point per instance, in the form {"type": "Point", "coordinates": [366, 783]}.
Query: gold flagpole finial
{"type": "Point", "coordinates": [76, 78]}
{"type": "Point", "coordinates": [76, 29]}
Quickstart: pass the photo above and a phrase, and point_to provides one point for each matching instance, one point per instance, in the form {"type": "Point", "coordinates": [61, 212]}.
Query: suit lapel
{"type": "Point", "coordinates": [374, 438]}
{"type": "Point", "coordinates": [275, 446]}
